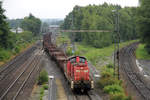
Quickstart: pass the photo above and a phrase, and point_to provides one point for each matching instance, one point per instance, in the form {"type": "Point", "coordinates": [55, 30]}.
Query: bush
{"type": "Point", "coordinates": [43, 78]}
{"type": "Point", "coordinates": [4, 54]}
{"type": "Point", "coordinates": [107, 72]}
{"type": "Point", "coordinates": [17, 49]}
{"type": "Point", "coordinates": [111, 85]}
{"type": "Point", "coordinates": [45, 87]}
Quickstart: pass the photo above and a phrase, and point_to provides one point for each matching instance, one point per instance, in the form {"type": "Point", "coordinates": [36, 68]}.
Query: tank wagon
{"type": "Point", "coordinates": [74, 68]}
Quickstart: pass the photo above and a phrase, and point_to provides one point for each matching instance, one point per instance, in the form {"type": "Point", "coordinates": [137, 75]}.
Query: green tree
{"type": "Point", "coordinates": [32, 24]}
{"type": "Point", "coordinates": [143, 23]}
{"type": "Point", "coordinates": [6, 37]}
{"type": "Point", "coordinates": [100, 17]}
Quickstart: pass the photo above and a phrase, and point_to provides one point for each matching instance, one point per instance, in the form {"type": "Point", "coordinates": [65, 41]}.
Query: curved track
{"type": "Point", "coordinates": [128, 63]}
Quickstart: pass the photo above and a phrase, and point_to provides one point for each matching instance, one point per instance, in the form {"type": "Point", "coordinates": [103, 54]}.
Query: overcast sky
{"type": "Point", "coordinates": [52, 8]}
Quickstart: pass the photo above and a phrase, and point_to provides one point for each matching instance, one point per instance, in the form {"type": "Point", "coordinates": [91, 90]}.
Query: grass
{"type": "Point", "coordinates": [62, 39]}
{"type": "Point", "coordinates": [96, 54]}
{"type": "Point", "coordinates": [141, 53]}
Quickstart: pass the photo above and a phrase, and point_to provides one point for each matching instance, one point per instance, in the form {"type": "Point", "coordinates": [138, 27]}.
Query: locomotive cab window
{"type": "Point", "coordinates": [82, 60]}
{"type": "Point", "coordinates": [73, 60]}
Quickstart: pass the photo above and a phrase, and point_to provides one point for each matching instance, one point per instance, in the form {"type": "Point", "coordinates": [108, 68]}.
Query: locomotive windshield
{"type": "Point", "coordinates": [74, 59]}
{"type": "Point", "coordinates": [82, 60]}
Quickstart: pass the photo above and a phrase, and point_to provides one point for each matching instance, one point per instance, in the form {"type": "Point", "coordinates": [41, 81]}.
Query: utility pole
{"type": "Point", "coordinates": [73, 35]}
{"type": "Point", "coordinates": [118, 35]}
{"type": "Point", "coordinates": [116, 42]}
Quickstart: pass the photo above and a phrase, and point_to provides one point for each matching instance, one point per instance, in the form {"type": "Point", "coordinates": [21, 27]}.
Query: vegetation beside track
{"type": "Point", "coordinates": [99, 54]}
{"type": "Point", "coordinates": [43, 77]}
{"type": "Point", "coordinates": [43, 80]}
{"type": "Point", "coordinates": [24, 41]}
{"type": "Point", "coordinates": [141, 52]}
{"type": "Point", "coordinates": [13, 43]}
{"type": "Point", "coordinates": [111, 85]}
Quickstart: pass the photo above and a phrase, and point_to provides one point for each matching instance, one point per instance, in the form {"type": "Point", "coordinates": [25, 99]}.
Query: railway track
{"type": "Point", "coordinates": [15, 63]}
{"type": "Point", "coordinates": [12, 91]}
{"type": "Point", "coordinates": [9, 72]}
{"type": "Point", "coordinates": [81, 96]}
{"type": "Point", "coordinates": [16, 73]}
{"type": "Point", "coordinates": [128, 64]}
{"type": "Point", "coordinates": [90, 95]}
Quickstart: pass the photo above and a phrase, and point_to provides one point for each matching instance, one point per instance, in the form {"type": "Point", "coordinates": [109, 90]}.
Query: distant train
{"type": "Point", "coordinates": [75, 68]}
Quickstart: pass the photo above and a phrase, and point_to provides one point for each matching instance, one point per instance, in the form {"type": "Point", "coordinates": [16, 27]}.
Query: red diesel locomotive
{"type": "Point", "coordinates": [78, 73]}
{"type": "Point", "coordinates": [75, 68]}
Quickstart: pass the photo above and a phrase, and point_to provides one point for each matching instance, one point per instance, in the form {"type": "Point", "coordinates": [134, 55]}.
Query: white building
{"type": "Point", "coordinates": [18, 30]}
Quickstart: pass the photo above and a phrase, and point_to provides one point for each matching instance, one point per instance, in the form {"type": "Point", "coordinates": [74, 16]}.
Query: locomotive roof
{"type": "Point", "coordinates": [75, 57]}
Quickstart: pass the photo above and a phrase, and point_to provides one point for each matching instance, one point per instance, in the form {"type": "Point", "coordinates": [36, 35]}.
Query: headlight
{"type": "Point", "coordinates": [85, 71]}
{"type": "Point", "coordinates": [77, 70]}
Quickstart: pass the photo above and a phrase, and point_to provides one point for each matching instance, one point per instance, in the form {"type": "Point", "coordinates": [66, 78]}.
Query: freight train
{"type": "Point", "coordinates": [74, 68]}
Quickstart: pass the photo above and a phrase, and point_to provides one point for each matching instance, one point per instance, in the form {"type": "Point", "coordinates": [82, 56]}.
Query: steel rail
{"type": "Point", "coordinates": [129, 57]}
{"type": "Point", "coordinates": [25, 68]}
{"type": "Point", "coordinates": [35, 65]}
{"type": "Point", "coordinates": [2, 74]}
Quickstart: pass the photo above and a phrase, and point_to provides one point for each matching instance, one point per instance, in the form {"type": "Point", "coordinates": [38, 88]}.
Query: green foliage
{"type": "Point", "coordinates": [141, 52]}
{"type": "Point", "coordinates": [25, 36]}
{"type": "Point", "coordinates": [112, 89]}
{"type": "Point", "coordinates": [111, 85]}
{"type": "Point", "coordinates": [95, 54]}
{"type": "Point", "coordinates": [100, 17]}
{"type": "Point", "coordinates": [143, 23]}
{"type": "Point", "coordinates": [45, 86]}
{"type": "Point", "coordinates": [17, 49]}
{"type": "Point", "coordinates": [107, 77]}
{"type": "Point", "coordinates": [69, 51]}
{"type": "Point", "coordinates": [14, 23]}
{"type": "Point", "coordinates": [6, 37]}
{"type": "Point", "coordinates": [32, 24]}
{"type": "Point", "coordinates": [43, 77]}
{"type": "Point", "coordinates": [41, 93]}
{"type": "Point", "coordinates": [4, 55]}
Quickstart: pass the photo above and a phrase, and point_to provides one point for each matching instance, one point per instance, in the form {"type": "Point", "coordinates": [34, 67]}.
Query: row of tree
{"type": "Point", "coordinates": [143, 23]}
{"type": "Point", "coordinates": [101, 17]}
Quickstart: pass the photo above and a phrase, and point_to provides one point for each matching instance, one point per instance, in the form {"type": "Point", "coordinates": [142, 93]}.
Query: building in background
{"type": "Point", "coordinates": [17, 30]}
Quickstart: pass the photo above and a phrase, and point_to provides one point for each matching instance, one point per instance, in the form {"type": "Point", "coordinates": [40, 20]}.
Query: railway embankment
{"type": "Point", "coordinates": [8, 55]}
